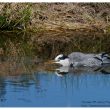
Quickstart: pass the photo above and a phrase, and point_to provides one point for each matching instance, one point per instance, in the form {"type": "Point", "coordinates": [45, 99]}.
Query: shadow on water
{"type": "Point", "coordinates": [26, 79]}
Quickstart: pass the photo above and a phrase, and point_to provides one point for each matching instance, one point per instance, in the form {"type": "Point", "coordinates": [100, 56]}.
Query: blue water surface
{"type": "Point", "coordinates": [46, 89]}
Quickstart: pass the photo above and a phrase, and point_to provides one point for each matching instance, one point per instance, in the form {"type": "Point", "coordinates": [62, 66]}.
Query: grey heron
{"type": "Point", "coordinates": [83, 59]}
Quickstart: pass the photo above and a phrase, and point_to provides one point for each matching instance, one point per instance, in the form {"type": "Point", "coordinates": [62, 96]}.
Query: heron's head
{"type": "Point", "coordinates": [62, 59]}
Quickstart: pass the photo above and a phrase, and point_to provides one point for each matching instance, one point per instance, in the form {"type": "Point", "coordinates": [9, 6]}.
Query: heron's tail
{"type": "Point", "coordinates": [105, 55]}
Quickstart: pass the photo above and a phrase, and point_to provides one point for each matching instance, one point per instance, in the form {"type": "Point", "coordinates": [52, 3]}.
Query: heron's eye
{"type": "Point", "coordinates": [61, 58]}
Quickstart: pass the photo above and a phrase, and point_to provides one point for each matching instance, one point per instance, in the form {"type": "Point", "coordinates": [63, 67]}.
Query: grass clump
{"type": "Point", "coordinates": [16, 17]}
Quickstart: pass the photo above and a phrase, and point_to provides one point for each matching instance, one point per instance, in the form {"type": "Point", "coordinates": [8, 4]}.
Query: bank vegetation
{"type": "Point", "coordinates": [37, 17]}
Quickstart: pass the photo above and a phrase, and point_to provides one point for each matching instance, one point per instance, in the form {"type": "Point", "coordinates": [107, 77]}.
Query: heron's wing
{"type": "Point", "coordinates": [76, 56]}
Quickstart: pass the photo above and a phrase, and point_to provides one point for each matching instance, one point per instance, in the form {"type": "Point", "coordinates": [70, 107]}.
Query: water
{"type": "Point", "coordinates": [84, 88]}
{"type": "Point", "coordinates": [27, 80]}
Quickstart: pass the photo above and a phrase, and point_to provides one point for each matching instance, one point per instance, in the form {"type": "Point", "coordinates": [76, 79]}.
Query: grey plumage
{"type": "Point", "coordinates": [82, 59]}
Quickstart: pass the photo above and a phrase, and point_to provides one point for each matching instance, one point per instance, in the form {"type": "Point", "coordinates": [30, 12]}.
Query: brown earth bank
{"type": "Point", "coordinates": [37, 17]}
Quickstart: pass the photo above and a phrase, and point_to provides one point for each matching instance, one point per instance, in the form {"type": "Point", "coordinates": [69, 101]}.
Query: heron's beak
{"type": "Point", "coordinates": [52, 61]}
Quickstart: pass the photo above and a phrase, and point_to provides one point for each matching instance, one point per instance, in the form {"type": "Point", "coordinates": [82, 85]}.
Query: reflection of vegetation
{"type": "Point", "coordinates": [19, 52]}
{"type": "Point", "coordinates": [53, 44]}
{"type": "Point", "coordinates": [15, 44]}
{"type": "Point", "coordinates": [48, 45]}
{"type": "Point", "coordinates": [2, 89]}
